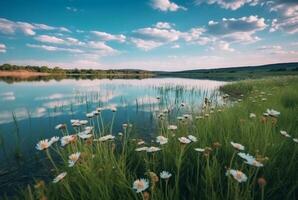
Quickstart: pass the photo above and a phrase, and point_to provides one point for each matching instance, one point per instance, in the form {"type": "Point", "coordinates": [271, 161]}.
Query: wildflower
{"type": "Point", "coordinates": [59, 177]}
{"type": "Point", "coordinates": [273, 113]}
{"type": "Point", "coordinates": [53, 140]}
{"type": "Point", "coordinates": [187, 116]}
{"type": "Point", "coordinates": [166, 111]}
{"type": "Point", "coordinates": [95, 113]}
{"type": "Point", "coordinates": [237, 175]}
{"type": "Point", "coordinates": [146, 196]}
{"type": "Point", "coordinates": [141, 149]}
{"type": "Point", "coordinates": [254, 162]}
{"type": "Point", "coordinates": [85, 136]}
{"type": "Point", "coordinates": [172, 127]}
{"type": "Point", "coordinates": [105, 138]}
{"type": "Point", "coordinates": [90, 115]}
{"type": "Point", "coordinates": [199, 117]}
{"type": "Point", "coordinates": [140, 185]}
{"type": "Point", "coordinates": [120, 134]}
{"type": "Point", "coordinates": [264, 99]}
{"type": "Point", "coordinates": [152, 149]}
{"type": "Point", "coordinates": [206, 115]}
{"type": "Point", "coordinates": [295, 140]}
{"type": "Point", "coordinates": [250, 160]}
{"type": "Point", "coordinates": [237, 146]}
{"type": "Point", "coordinates": [284, 133]}
{"type": "Point", "coordinates": [83, 122]}
{"type": "Point", "coordinates": [99, 109]}
{"type": "Point", "coordinates": [161, 140]}
{"type": "Point", "coordinates": [43, 144]}
{"type": "Point", "coordinates": [184, 140]}
{"type": "Point", "coordinates": [180, 118]}
{"type": "Point", "coordinates": [89, 128]}
{"type": "Point", "coordinates": [192, 138]}
{"type": "Point", "coordinates": [60, 126]}
{"type": "Point", "coordinates": [75, 122]}
{"type": "Point", "coordinates": [199, 149]}
{"type": "Point", "coordinates": [165, 175]}
{"type": "Point", "coordinates": [73, 158]}
{"type": "Point", "coordinates": [113, 109]}
{"type": "Point", "coordinates": [262, 182]}
{"type": "Point", "coordinates": [154, 178]}
{"type": "Point", "coordinates": [216, 145]}
{"type": "Point", "coordinates": [67, 139]}
{"type": "Point", "coordinates": [124, 126]}
{"type": "Point", "coordinates": [141, 142]}
{"type": "Point", "coordinates": [252, 115]}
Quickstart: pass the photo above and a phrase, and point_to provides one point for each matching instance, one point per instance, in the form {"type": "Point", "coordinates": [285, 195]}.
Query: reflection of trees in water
{"type": "Point", "coordinates": [76, 77]}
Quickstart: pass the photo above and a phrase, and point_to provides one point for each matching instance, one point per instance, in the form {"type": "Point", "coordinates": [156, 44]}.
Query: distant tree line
{"type": "Point", "coordinates": [58, 70]}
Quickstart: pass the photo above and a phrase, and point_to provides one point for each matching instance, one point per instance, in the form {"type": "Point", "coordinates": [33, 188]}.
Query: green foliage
{"type": "Point", "coordinates": [106, 170]}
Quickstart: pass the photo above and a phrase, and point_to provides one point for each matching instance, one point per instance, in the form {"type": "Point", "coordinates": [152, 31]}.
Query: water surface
{"type": "Point", "coordinates": [29, 112]}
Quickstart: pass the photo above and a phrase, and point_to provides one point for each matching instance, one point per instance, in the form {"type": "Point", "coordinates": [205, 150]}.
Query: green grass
{"type": "Point", "coordinates": [115, 165]}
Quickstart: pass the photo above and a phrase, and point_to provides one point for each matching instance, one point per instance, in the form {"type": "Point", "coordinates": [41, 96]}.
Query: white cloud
{"type": "Point", "coordinates": [10, 27]}
{"type": "Point", "coordinates": [229, 4]}
{"type": "Point", "coordinates": [175, 46]}
{"type": "Point", "coordinates": [222, 45]}
{"type": "Point", "coordinates": [152, 37]}
{"type": "Point", "coordinates": [145, 45]}
{"type": "Point", "coordinates": [2, 48]}
{"type": "Point", "coordinates": [163, 25]}
{"type": "Point", "coordinates": [109, 37]}
{"type": "Point", "coordinates": [53, 48]}
{"type": "Point", "coordinates": [101, 48]}
{"type": "Point", "coordinates": [276, 50]}
{"type": "Point", "coordinates": [72, 9]}
{"type": "Point", "coordinates": [49, 39]}
{"type": "Point", "coordinates": [166, 5]}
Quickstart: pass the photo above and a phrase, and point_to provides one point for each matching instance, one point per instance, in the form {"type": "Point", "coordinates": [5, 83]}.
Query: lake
{"type": "Point", "coordinates": [30, 111]}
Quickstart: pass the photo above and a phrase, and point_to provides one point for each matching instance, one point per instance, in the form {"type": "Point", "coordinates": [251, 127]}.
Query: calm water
{"type": "Point", "coordinates": [29, 112]}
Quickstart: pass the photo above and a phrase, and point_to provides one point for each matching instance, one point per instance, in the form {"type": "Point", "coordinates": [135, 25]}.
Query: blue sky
{"type": "Point", "coordinates": [148, 34]}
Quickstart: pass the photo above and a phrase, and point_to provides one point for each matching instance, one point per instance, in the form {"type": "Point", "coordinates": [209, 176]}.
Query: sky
{"type": "Point", "coordinates": [167, 35]}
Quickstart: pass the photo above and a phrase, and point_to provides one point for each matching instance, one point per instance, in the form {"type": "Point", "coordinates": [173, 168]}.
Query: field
{"type": "Point", "coordinates": [204, 153]}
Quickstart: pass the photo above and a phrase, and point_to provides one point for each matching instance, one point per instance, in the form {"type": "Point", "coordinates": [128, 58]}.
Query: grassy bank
{"type": "Point", "coordinates": [107, 167]}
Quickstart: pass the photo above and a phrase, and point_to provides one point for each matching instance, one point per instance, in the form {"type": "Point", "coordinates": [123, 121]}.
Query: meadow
{"type": "Point", "coordinates": [242, 147]}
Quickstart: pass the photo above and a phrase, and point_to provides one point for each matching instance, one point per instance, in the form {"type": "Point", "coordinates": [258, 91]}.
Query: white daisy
{"type": "Point", "coordinates": [59, 177]}
{"type": "Point", "coordinates": [161, 140]}
{"type": "Point", "coordinates": [199, 149]}
{"type": "Point", "coordinates": [295, 140]}
{"type": "Point", "coordinates": [237, 175]}
{"type": "Point", "coordinates": [53, 140]}
{"type": "Point", "coordinates": [252, 115]}
{"type": "Point", "coordinates": [141, 149]}
{"type": "Point", "coordinates": [90, 115]}
{"type": "Point", "coordinates": [165, 175]}
{"type": "Point", "coordinates": [43, 144]}
{"type": "Point", "coordinates": [152, 149]}
{"type": "Point", "coordinates": [172, 127]}
{"type": "Point", "coordinates": [83, 122]}
{"type": "Point", "coordinates": [140, 185]}
{"type": "Point", "coordinates": [67, 139]}
{"type": "Point", "coordinates": [237, 146]}
{"type": "Point", "coordinates": [73, 158]}
{"type": "Point", "coordinates": [250, 160]}
{"type": "Point", "coordinates": [184, 140]}
{"type": "Point", "coordinates": [60, 126]}
{"type": "Point", "coordinates": [192, 138]}
{"type": "Point", "coordinates": [272, 112]}
{"type": "Point", "coordinates": [105, 138]}
{"type": "Point", "coordinates": [284, 133]}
